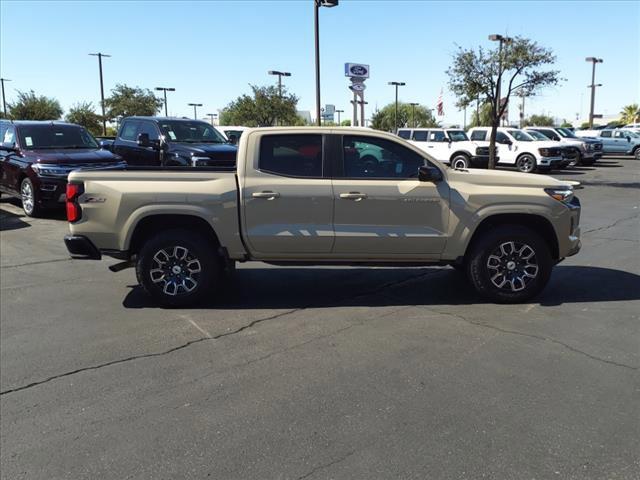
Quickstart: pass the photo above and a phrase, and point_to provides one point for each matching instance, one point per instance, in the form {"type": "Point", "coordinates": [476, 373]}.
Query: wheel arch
{"type": "Point", "coordinates": [537, 223]}
{"type": "Point", "coordinates": [151, 224]}
{"type": "Point", "coordinates": [460, 152]}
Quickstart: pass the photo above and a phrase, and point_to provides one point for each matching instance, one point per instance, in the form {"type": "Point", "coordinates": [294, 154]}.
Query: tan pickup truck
{"type": "Point", "coordinates": [322, 196]}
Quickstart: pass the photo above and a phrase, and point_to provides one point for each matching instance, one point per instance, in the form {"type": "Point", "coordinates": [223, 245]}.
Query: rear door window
{"type": "Point", "coordinates": [479, 135]}
{"type": "Point", "coordinates": [291, 155]}
{"type": "Point", "coordinates": [606, 134]}
{"type": "Point", "coordinates": [420, 135]}
{"type": "Point", "coordinates": [406, 134]}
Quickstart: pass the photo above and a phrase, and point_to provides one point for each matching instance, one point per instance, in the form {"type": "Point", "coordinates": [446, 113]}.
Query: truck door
{"type": "Point", "coordinates": [381, 208]}
{"type": "Point", "coordinates": [621, 142]}
{"type": "Point", "coordinates": [126, 144]}
{"type": "Point", "coordinates": [439, 146]}
{"type": "Point", "coordinates": [288, 198]}
{"type": "Point", "coordinates": [10, 164]}
{"type": "Point", "coordinates": [609, 144]}
{"type": "Point", "coordinates": [149, 155]}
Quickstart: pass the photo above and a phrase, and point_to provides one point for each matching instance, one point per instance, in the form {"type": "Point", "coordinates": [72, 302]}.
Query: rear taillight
{"type": "Point", "coordinates": [74, 190]}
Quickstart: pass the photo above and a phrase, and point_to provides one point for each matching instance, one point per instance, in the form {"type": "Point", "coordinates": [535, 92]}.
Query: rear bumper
{"type": "Point", "coordinates": [81, 247]}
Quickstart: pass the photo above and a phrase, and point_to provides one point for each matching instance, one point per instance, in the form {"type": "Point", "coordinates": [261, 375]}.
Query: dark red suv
{"type": "Point", "coordinates": [36, 158]}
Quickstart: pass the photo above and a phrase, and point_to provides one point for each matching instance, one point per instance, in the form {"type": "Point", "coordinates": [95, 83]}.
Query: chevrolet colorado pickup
{"type": "Point", "coordinates": [319, 196]}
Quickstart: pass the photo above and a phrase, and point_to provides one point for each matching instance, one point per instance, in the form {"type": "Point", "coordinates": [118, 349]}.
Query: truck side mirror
{"type": "Point", "coordinates": [143, 140]}
{"type": "Point", "coordinates": [9, 147]}
{"type": "Point", "coordinates": [429, 174]}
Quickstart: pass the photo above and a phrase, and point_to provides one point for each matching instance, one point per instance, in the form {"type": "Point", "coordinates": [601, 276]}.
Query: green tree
{"type": "Point", "coordinates": [345, 123]}
{"type": "Point", "coordinates": [477, 73]}
{"type": "Point", "coordinates": [262, 108]}
{"type": "Point", "coordinates": [539, 121]}
{"type": "Point", "coordinates": [30, 106]}
{"type": "Point", "coordinates": [384, 119]}
{"type": "Point", "coordinates": [83, 114]}
{"type": "Point", "coordinates": [566, 124]}
{"type": "Point", "coordinates": [128, 101]}
{"type": "Point", "coordinates": [584, 126]}
{"type": "Point", "coordinates": [485, 116]}
{"type": "Point", "coordinates": [630, 113]}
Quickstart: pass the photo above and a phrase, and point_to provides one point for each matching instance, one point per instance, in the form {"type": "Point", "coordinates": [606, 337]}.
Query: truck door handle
{"type": "Point", "coordinates": [353, 196]}
{"type": "Point", "coordinates": [267, 195]}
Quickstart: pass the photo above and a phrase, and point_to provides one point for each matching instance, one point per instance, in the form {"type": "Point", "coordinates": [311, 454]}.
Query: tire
{"type": "Point", "coordinates": [526, 163]}
{"type": "Point", "coordinates": [29, 197]}
{"type": "Point", "coordinates": [460, 160]}
{"type": "Point", "coordinates": [178, 268]}
{"type": "Point", "coordinates": [510, 264]}
{"type": "Point", "coordinates": [636, 153]}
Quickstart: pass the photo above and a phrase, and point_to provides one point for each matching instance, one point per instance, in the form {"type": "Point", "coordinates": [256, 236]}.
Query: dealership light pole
{"type": "Point", "coordinates": [339, 112]}
{"type": "Point", "coordinates": [165, 90]}
{"type": "Point", "coordinates": [316, 6]}
{"type": "Point", "coordinates": [4, 97]}
{"type": "Point", "coordinates": [593, 86]}
{"type": "Point", "coordinates": [413, 113]}
{"type": "Point", "coordinates": [195, 106]}
{"type": "Point", "coordinates": [212, 116]}
{"type": "Point", "coordinates": [395, 121]}
{"type": "Point", "coordinates": [501, 39]}
{"type": "Point", "coordinates": [280, 75]}
{"type": "Point", "coordinates": [104, 120]}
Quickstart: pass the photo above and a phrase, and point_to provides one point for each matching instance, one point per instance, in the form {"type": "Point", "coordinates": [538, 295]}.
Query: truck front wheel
{"type": "Point", "coordinates": [460, 161]}
{"type": "Point", "coordinates": [178, 268]}
{"type": "Point", "coordinates": [526, 163]}
{"type": "Point", "coordinates": [510, 264]}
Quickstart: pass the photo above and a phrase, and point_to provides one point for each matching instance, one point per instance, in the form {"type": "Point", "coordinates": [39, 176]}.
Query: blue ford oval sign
{"type": "Point", "coordinates": [356, 70]}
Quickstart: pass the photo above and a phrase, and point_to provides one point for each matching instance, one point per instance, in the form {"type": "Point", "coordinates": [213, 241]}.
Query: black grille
{"type": "Point", "coordinates": [597, 146]}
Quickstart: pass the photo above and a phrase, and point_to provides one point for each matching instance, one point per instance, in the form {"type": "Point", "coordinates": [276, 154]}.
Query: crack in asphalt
{"type": "Point", "coordinates": [206, 338]}
{"type": "Point", "coordinates": [537, 337]}
{"type": "Point", "coordinates": [606, 227]}
{"type": "Point", "coordinates": [40, 262]}
{"type": "Point", "coordinates": [327, 465]}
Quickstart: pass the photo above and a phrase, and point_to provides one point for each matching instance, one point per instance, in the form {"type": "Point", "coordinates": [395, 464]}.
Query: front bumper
{"type": "Point", "coordinates": [551, 162]}
{"type": "Point", "coordinates": [81, 247]}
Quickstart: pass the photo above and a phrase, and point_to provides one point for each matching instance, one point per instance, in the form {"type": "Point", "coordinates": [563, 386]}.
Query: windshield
{"type": "Point", "coordinates": [190, 132]}
{"type": "Point", "coordinates": [566, 133]}
{"type": "Point", "coordinates": [457, 135]}
{"type": "Point", "coordinates": [537, 135]}
{"type": "Point", "coordinates": [520, 135]}
{"type": "Point", "coordinates": [52, 136]}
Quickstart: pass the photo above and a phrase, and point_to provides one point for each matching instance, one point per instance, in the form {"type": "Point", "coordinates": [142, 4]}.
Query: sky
{"type": "Point", "coordinates": [210, 51]}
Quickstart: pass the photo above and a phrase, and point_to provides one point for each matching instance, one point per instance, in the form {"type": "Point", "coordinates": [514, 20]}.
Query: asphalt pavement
{"type": "Point", "coordinates": [316, 373]}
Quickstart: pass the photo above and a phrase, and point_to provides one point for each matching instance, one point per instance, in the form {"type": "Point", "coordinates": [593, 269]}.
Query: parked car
{"type": "Point", "coordinates": [159, 141]}
{"type": "Point", "coordinates": [569, 153]}
{"type": "Point", "coordinates": [587, 150]}
{"type": "Point", "coordinates": [307, 196]}
{"type": "Point", "coordinates": [232, 132]}
{"type": "Point", "coordinates": [37, 157]}
{"type": "Point", "coordinates": [448, 145]}
{"type": "Point", "coordinates": [616, 140]}
{"type": "Point", "coordinates": [517, 148]}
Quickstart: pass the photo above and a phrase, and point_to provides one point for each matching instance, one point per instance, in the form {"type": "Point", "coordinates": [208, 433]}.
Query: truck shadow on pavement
{"type": "Point", "coordinates": [11, 221]}
{"type": "Point", "coordinates": [264, 288]}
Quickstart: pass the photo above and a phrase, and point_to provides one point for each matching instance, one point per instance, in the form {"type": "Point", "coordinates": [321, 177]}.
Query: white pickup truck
{"type": "Point", "coordinates": [448, 145]}
{"type": "Point", "coordinates": [517, 148]}
{"type": "Point", "coordinates": [322, 196]}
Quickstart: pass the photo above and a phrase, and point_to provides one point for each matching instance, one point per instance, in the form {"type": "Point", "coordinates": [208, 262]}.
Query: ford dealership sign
{"type": "Point", "coordinates": [356, 70]}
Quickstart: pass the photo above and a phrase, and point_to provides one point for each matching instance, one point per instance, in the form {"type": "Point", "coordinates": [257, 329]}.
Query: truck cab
{"type": "Point", "coordinates": [519, 149]}
{"type": "Point", "coordinates": [159, 141]}
{"type": "Point", "coordinates": [448, 145]}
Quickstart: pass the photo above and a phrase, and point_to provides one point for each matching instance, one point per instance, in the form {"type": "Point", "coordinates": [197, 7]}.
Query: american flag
{"type": "Point", "coordinates": [440, 105]}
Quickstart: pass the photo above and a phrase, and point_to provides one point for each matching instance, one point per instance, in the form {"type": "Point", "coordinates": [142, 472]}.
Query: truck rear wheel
{"type": "Point", "coordinates": [178, 268]}
{"type": "Point", "coordinates": [510, 264]}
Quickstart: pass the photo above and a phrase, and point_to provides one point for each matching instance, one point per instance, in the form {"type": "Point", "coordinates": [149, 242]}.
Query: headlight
{"type": "Point", "coordinates": [562, 194]}
{"type": "Point", "coordinates": [544, 152]}
{"type": "Point", "coordinates": [588, 146]}
{"type": "Point", "coordinates": [44, 170]}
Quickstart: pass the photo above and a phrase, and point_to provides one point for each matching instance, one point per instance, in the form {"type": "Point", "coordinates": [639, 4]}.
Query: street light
{"type": "Point", "coordinates": [212, 116]}
{"type": "Point", "coordinates": [593, 86]}
{"type": "Point", "coordinates": [194, 105]}
{"type": "Point", "coordinates": [339, 112]}
{"type": "Point", "coordinates": [280, 75]}
{"type": "Point", "coordinates": [413, 113]}
{"type": "Point", "coordinates": [501, 39]}
{"type": "Point", "coordinates": [316, 6]}
{"type": "Point", "coordinates": [4, 97]}
{"type": "Point", "coordinates": [104, 120]}
{"type": "Point", "coordinates": [165, 90]}
{"type": "Point", "coordinates": [395, 122]}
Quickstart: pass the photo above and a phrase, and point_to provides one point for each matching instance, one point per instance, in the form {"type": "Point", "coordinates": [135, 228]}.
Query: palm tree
{"type": "Point", "coordinates": [630, 113]}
